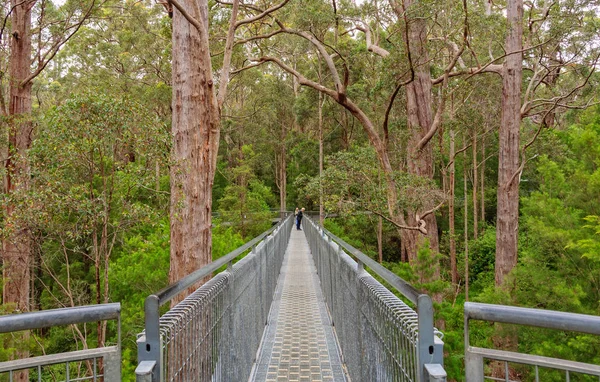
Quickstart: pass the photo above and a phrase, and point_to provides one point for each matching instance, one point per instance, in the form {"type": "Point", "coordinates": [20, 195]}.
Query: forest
{"type": "Point", "coordinates": [456, 142]}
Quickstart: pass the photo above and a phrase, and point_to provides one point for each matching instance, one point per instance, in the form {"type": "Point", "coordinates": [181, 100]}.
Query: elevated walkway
{"type": "Point", "coordinates": [271, 314]}
{"type": "Point", "coordinates": [299, 343]}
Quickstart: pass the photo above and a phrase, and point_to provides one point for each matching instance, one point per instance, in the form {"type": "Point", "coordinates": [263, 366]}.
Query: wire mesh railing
{"type": "Point", "coordinates": [381, 337]}
{"type": "Point", "coordinates": [475, 357]}
{"type": "Point", "coordinates": [97, 364]}
{"type": "Point", "coordinates": [214, 333]}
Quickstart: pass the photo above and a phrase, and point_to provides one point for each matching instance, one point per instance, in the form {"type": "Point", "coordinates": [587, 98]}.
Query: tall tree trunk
{"type": "Point", "coordinates": [482, 180]}
{"type": "Point", "coordinates": [282, 173]}
{"type": "Point", "coordinates": [466, 223]}
{"type": "Point", "coordinates": [475, 184]}
{"type": "Point", "coordinates": [420, 119]}
{"type": "Point", "coordinates": [451, 186]}
{"type": "Point", "coordinates": [509, 135]}
{"type": "Point", "coordinates": [157, 176]}
{"type": "Point", "coordinates": [16, 248]}
{"type": "Point", "coordinates": [321, 209]}
{"type": "Point", "coordinates": [195, 132]}
{"type": "Point", "coordinates": [380, 239]}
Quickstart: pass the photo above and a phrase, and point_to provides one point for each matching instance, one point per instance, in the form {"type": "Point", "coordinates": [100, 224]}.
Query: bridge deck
{"type": "Point", "coordinates": [299, 343]}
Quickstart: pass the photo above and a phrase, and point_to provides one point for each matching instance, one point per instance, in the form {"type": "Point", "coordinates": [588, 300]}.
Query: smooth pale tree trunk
{"type": "Point", "coordinates": [466, 224]}
{"type": "Point", "coordinates": [282, 173]}
{"type": "Point", "coordinates": [195, 132]}
{"type": "Point", "coordinates": [475, 184]}
{"type": "Point", "coordinates": [509, 135]}
{"type": "Point", "coordinates": [321, 207]}
{"type": "Point", "coordinates": [482, 187]}
{"type": "Point", "coordinates": [16, 248]}
{"type": "Point", "coordinates": [451, 211]}
{"type": "Point", "coordinates": [380, 240]}
{"type": "Point", "coordinates": [157, 176]}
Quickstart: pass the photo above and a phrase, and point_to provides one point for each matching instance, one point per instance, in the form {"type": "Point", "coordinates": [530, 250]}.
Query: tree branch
{"type": "Point", "coordinates": [198, 24]}
{"type": "Point", "coordinates": [372, 47]}
{"type": "Point", "coordinates": [528, 107]}
{"type": "Point", "coordinates": [262, 15]}
{"type": "Point", "coordinates": [391, 104]}
{"type": "Point", "coordinates": [321, 48]}
{"type": "Point", "coordinates": [420, 228]}
{"type": "Point", "coordinates": [224, 80]}
{"type": "Point", "coordinates": [49, 55]}
{"type": "Point", "coordinates": [490, 67]}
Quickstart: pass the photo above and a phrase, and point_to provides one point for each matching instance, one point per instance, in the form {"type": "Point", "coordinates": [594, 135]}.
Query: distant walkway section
{"type": "Point", "coordinates": [299, 343]}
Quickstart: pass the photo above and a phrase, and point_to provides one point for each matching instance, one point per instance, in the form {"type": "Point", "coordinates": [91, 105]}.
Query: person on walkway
{"type": "Point", "coordinates": [296, 216]}
{"type": "Point", "coordinates": [299, 218]}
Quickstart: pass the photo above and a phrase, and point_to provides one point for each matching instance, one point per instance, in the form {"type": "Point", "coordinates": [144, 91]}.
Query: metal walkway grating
{"type": "Point", "coordinates": [299, 343]}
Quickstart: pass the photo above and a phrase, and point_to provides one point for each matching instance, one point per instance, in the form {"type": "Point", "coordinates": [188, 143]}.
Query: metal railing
{"type": "Point", "coordinates": [474, 356]}
{"type": "Point", "coordinates": [109, 357]}
{"type": "Point", "coordinates": [382, 338]}
{"type": "Point", "coordinates": [214, 333]}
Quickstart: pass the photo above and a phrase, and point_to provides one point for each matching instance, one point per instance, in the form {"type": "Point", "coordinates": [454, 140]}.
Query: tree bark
{"type": "Point", "coordinates": [195, 132]}
{"type": "Point", "coordinates": [16, 248]}
{"type": "Point", "coordinates": [466, 223]}
{"type": "Point", "coordinates": [451, 186]}
{"type": "Point", "coordinates": [482, 180]}
{"type": "Point", "coordinates": [509, 135]}
{"type": "Point", "coordinates": [282, 173]}
{"type": "Point", "coordinates": [380, 240]}
{"type": "Point", "coordinates": [321, 207]}
{"type": "Point", "coordinates": [420, 120]}
{"type": "Point", "coordinates": [475, 184]}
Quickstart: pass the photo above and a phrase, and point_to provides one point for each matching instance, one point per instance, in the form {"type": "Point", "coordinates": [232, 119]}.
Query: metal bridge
{"type": "Point", "coordinates": [301, 305]}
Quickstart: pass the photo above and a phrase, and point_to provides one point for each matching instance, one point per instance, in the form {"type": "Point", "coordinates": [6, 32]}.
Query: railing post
{"type": "Point", "coordinates": [360, 269]}
{"type": "Point", "coordinates": [427, 344]}
{"type": "Point", "coordinates": [149, 347]}
{"type": "Point", "coordinates": [230, 350]}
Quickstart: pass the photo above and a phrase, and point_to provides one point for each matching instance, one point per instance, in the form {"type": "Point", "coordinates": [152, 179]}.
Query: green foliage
{"type": "Point", "coordinates": [482, 254]}
{"type": "Point", "coordinates": [590, 246]}
{"type": "Point", "coordinates": [354, 182]}
{"type": "Point", "coordinates": [246, 201]}
{"type": "Point", "coordinates": [140, 268]}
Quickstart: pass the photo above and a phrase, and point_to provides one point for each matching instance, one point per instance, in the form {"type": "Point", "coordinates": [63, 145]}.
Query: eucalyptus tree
{"type": "Point", "coordinates": [86, 191]}
{"type": "Point", "coordinates": [196, 118]}
{"type": "Point", "coordinates": [127, 51]}
{"type": "Point", "coordinates": [32, 47]}
{"type": "Point", "coordinates": [33, 44]}
{"type": "Point", "coordinates": [402, 60]}
{"type": "Point", "coordinates": [549, 56]}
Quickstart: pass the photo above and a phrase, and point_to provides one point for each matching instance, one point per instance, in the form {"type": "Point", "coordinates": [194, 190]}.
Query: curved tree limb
{"type": "Point", "coordinates": [326, 56]}
{"type": "Point", "coordinates": [372, 46]}
{"type": "Point", "coordinates": [198, 24]}
{"type": "Point", "coordinates": [420, 227]}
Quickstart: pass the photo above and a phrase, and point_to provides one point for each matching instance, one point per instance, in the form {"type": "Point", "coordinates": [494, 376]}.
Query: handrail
{"type": "Point", "coordinates": [407, 290]}
{"type": "Point", "coordinates": [429, 346]}
{"type": "Point", "coordinates": [151, 344]}
{"type": "Point", "coordinates": [58, 317]}
{"type": "Point", "coordinates": [474, 356]}
{"type": "Point", "coordinates": [168, 293]}
{"type": "Point", "coordinates": [533, 317]}
{"type": "Point", "coordinates": [110, 356]}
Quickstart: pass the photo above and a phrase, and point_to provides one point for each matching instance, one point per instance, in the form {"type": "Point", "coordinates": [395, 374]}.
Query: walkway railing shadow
{"type": "Point", "coordinates": [382, 338]}
{"type": "Point", "coordinates": [214, 333]}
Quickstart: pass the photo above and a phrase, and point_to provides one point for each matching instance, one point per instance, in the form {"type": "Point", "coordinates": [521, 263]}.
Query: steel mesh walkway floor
{"type": "Point", "coordinates": [299, 343]}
